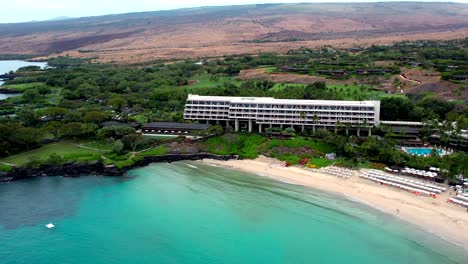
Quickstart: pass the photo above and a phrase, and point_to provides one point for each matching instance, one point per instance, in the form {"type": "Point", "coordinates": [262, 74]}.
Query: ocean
{"type": "Point", "coordinates": [13, 65]}
{"type": "Point", "coordinates": [187, 212]}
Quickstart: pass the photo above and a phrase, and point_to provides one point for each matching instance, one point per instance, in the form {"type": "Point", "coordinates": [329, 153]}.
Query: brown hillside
{"type": "Point", "coordinates": [216, 31]}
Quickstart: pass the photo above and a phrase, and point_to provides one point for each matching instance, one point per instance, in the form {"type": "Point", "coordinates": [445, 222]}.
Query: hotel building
{"type": "Point", "coordinates": [249, 113]}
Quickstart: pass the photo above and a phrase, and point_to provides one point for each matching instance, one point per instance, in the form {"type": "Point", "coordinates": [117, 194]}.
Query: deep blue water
{"type": "Point", "coordinates": [181, 213]}
{"type": "Point", "coordinates": [13, 65]}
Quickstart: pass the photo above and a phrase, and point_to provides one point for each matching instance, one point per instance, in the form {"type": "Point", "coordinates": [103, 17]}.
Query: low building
{"type": "Point", "coordinates": [372, 71]}
{"type": "Point", "coordinates": [294, 69]}
{"type": "Point", "coordinates": [461, 77]}
{"type": "Point", "coordinates": [173, 129]}
{"type": "Point", "coordinates": [334, 73]}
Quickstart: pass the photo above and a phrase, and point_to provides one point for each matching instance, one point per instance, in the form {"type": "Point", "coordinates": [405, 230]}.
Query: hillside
{"type": "Point", "coordinates": [215, 31]}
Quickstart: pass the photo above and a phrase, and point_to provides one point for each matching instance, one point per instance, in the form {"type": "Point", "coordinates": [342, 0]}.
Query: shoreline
{"type": "Point", "coordinates": [75, 169]}
{"type": "Point", "coordinates": [434, 216]}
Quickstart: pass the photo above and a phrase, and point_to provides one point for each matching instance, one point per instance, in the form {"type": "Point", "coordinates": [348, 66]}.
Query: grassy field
{"type": "Point", "coordinates": [353, 92]}
{"type": "Point", "coordinates": [281, 86]}
{"type": "Point", "coordinates": [345, 91]}
{"type": "Point", "coordinates": [101, 145]}
{"type": "Point", "coordinates": [159, 150]}
{"type": "Point", "coordinates": [299, 142]}
{"type": "Point", "coordinates": [66, 149]}
{"type": "Point", "coordinates": [21, 87]}
{"type": "Point", "coordinates": [250, 146]}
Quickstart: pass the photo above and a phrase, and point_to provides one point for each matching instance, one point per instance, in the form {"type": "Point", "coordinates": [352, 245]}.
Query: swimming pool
{"type": "Point", "coordinates": [422, 151]}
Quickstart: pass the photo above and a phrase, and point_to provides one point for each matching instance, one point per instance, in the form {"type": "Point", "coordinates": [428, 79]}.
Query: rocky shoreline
{"type": "Point", "coordinates": [98, 168]}
{"type": "Point", "coordinates": [7, 91]}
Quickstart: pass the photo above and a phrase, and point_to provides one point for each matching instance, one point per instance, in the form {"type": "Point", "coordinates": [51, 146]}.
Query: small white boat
{"type": "Point", "coordinates": [50, 225]}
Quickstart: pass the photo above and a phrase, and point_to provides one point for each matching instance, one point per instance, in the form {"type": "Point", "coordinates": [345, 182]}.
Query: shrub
{"type": "Point", "coordinates": [55, 159]}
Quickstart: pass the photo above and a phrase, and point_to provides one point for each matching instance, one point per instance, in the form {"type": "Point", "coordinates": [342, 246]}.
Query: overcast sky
{"type": "Point", "coordinates": [28, 10]}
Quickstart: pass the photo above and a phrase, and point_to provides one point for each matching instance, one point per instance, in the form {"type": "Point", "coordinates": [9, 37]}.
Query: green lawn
{"type": "Point", "coordinates": [298, 142]}
{"type": "Point", "coordinates": [281, 86]}
{"type": "Point", "coordinates": [355, 92]}
{"type": "Point", "coordinates": [159, 150]}
{"type": "Point", "coordinates": [345, 91]}
{"type": "Point", "coordinates": [21, 87]}
{"type": "Point", "coordinates": [66, 149]}
{"type": "Point", "coordinates": [102, 145]}
{"type": "Point", "coordinates": [251, 145]}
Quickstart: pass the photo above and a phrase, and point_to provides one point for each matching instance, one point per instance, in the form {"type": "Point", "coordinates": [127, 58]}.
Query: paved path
{"type": "Point", "coordinates": [410, 80]}
{"type": "Point", "coordinates": [85, 147]}
{"type": "Point", "coordinates": [8, 164]}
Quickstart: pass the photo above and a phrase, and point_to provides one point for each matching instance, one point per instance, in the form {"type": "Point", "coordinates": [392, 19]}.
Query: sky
{"type": "Point", "coordinates": [29, 10]}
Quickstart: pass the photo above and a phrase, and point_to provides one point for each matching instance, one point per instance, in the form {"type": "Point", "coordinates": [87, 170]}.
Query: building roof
{"type": "Point", "coordinates": [401, 129]}
{"type": "Point", "coordinates": [401, 123]}
{"type": "Point", "coordinates": [174, 125]}
{"type": "Point", "coordinates": [219, 98]}
{"type": "Point", "coordinates": [271, 100]}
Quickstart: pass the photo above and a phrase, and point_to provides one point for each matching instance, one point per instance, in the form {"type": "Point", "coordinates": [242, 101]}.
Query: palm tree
{"type": "Point", "coordinates": [315, 119]}
{"type": "Point", "coordinates": [347, 128]}
{"type": "Point", "coordinates": [359, 125]}
{"type": "Point", "coordinates": [303, 116]}
{"type": "Point", "coordinates": [338, 126]}
{"type": "Point", "coordinates": [365, 124]}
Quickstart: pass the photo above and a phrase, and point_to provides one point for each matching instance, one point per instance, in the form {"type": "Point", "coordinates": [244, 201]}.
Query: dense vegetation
{"type": "Point", "coordinates": [356, 152]}
{"type": "Point", "coordinates": [69, 103]}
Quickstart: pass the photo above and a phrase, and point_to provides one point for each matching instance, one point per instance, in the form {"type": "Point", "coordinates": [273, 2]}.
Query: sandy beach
{"type": "Point", "coordinates": [432, 215]}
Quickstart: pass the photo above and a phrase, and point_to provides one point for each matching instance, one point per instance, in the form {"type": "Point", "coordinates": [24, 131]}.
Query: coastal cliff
{"type": "Point", "coordinates": [98, 168]}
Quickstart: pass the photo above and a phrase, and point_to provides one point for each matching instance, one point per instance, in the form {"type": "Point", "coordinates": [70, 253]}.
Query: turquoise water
{"type": "Point", "coordinates": [178, 213]}
{"type": "Point", "coordinates": [422, 151]}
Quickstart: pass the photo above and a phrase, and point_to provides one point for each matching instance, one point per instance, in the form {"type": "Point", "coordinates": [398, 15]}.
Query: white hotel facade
{"type": "Point", "coordinates": [252, 113]}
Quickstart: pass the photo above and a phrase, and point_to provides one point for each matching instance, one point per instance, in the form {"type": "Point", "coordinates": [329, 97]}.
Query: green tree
{"type": "Point", "coordinates": [72, 130]}
{"type": "Point", "coordinates": [115, 131]}
{"type": "Point", "coordinates": [55, 159]}
{"type": "Point", "coordinates": [89, 130]}
{"type": "Point", "coordinates": [53, 127]}
{"type": "Point", "coordinates": [117, 103]}
{"type": "Point", "coordinates": [117, 147]}
{"type": "Point", "coordinates": [315, 119]}
{"type": "Point", "coordinates": [27, 136]}
{"type": "Point", "coordinates": [132, 141]}
{"type": "Point", "coordinates": [95, 117]}
{"type": "Point", "coordinates": [43, 90]}
{"type": "Point", "coordinates": [55, 113]}
{"type": "Point", "coordinates": [216, 130]}
{"type": "Point", "coordinates": [27, 115]}
{"type": "Point", "coordinates": [30, 96]}
{"type": "Point", "coordinates": [436, 105]}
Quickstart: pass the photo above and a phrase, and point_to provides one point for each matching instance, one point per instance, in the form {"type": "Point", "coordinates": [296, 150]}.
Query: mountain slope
{"type": "Point", "coordinates": [215, 31]}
